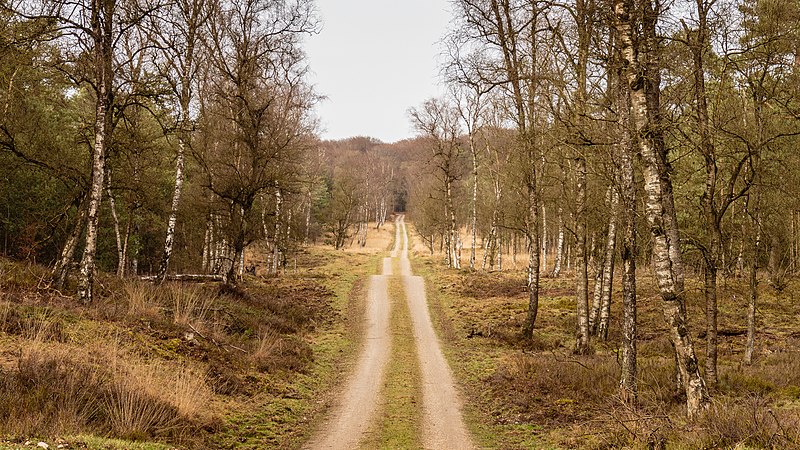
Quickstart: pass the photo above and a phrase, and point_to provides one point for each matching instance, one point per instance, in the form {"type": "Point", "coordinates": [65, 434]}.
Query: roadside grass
{"type": "Point", "coordinates": [179, 365]}
{"type": "Point", "coordinates": [400, 409]}
{"type": "Point", "coordinates": [537, 394]}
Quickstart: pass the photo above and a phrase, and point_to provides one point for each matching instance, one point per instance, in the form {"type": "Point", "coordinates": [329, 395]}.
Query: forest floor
{"type": "Point", "coordinates": [182, 365]}
{"type": "Point", "coordinates": [537, 394]}
{"type": "Point", "coordinates": [261, 365]}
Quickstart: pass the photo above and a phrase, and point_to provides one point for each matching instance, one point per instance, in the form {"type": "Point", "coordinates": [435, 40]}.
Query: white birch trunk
{"type": "Point", "coordinates": [104, 75]}
{"type": "Point", "coordinates": [117, 233]}
{"type": "Point", "coordinates": [207, 246]}
{"type": "Point", "coordinates": [628, 378]}
{"type": "Point", "coordinates": [581, 289]}
{"type": "Point", "coordinates": [544, 239]}
{"type": "Point", "coordinates": [277, 234]}
{"type": "Point", "coordinates": [608, 270]}
{"type": "Point", "coordinates": [169, 241]}
{"type": "Point", "coordinates": [666, 260]}
{"type": "Point", "coordinates": [474, 203]}
{"type": "Point", "coordinates": [559, 244]}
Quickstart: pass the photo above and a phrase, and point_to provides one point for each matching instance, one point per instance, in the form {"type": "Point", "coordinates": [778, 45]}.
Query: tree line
{"type": "Point", "coordinates": [162, 138]}
{"type": "Point", "coordinates": [584, 133]}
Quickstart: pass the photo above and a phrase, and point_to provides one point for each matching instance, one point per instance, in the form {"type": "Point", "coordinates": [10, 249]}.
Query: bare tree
{"type": "Point", "coordinates": [581, 280]}
{"type": "Point", "coordinates": [438, 121]}
{"type": "Point", "coordinates": [258, 121]}
{"type": "Point", "coordinates": [180, 36]}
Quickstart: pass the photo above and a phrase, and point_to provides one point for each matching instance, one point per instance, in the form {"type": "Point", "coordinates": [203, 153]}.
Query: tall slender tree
{"type": "Point", "coordinates": [640, 58]}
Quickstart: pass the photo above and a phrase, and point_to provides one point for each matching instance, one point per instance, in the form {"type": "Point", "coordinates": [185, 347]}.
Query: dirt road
{"type": "Point", "coordinates": [350, 419]}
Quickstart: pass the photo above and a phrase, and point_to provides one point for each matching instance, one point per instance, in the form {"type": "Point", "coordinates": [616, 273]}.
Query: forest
{"type": "Point", "coordinates": [607, 186]}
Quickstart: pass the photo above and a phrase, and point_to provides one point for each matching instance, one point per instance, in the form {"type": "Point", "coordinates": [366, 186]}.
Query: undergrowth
{"type": "Point", "coordinates": [536, 393]}
{"type": "Point", "coordinates": [147, 362]}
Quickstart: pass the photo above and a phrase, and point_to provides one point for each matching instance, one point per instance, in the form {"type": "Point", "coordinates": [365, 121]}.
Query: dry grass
{"type": "Point", "coordinates": [190, 303]}
{"type": "Point", "coordinates": [547, 397]}
{"type": "Point", "coordinates": [147, 362]}
{"type": "Point", "coordinates": [141, 299]}
{"type": "Point", "coordinates": [194, 365]}
{"type": "Point", "coordinates": [54, 390]}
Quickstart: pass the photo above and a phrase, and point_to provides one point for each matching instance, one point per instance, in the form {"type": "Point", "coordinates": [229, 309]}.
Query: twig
{"type": "Point", "coordinates": [237, 348]}
{"type": "Point", "coordinates": [784, 434]}
{"type": "Point", "coordinates": [570, 360]}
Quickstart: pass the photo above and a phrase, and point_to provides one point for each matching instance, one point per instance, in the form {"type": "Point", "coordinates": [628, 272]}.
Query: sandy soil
{"type": "Point", "coordinates": [443, 426]}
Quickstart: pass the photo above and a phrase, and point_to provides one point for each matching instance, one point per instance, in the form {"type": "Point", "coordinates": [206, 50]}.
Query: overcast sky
{"type": "Point", "coordinates": [375, 59]}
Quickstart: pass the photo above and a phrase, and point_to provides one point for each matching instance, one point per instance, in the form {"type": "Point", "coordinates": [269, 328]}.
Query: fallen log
{"type": "Point", "coordinates": [197, 278]}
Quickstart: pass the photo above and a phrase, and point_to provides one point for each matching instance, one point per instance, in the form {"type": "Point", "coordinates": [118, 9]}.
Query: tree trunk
{"type": "Point", "coordinates": [117, 232]}
{"type": "Point", "coordinates": [544, 240]}
{"type": "Point", "coordinates": [628, 382]}
{"type": "Point", "coordinates": [452, 232]}
{"type": "Point", "coordinates": [559, 244]}
{"type": "Point", "coordinates": [582, 282]}
{"type": "Point", "coordinates": [62, 266]}
{"type": "Point", "coordinates": [474, 230]}
{"type": "Point", "coordinates": [645, 110]}
{"type": "Point", "coordinates": [712, 214]}
{"type": "Point", "coordinates": [596, 263]}
{"type": "Point", "coordinates": [126, 241]}
{"type": "Point", "coordinates": [753, 294]}
{"type": "Point", "coordinates": [208, 239]}
{"type": "Point", "coordinates": [102, 26]}
{"type": "Point", "coordinates": [277, 234]}
{"type": "Point", "coordinates": [608, 270]}
{"type": "Point", "coordinates": [173, 214]}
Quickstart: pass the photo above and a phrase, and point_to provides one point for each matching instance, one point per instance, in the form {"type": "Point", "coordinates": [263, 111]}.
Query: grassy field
{"type": "Point", "coordinates": [537, 394]}
{"type": "Point", "coordinates": [180, 365]}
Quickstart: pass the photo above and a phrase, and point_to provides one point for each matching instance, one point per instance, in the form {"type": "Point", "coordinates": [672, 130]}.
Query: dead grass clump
{"type": "Point", "coordinates": [744, 422]}
{"type": "Point", "coordinates": [190, 304]}
{"type": "Point", "coordinates": [33, 323]}
{"type": "Point", "coordinates": [555, 389]}
{"type": "Point", "coordinates": [46, 394]}
{"type": "Point", "coordinates": [141, 299]}
{"type": "Point", "coordinates": [52, 393]}
{"type": "Point", "coordinates": [136, 414]}
{"type": "Point", "coordinates": [272, 352]}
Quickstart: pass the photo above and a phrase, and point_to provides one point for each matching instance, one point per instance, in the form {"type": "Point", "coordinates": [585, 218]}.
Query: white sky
{"type": "Point", "coordinates": [375, 59]}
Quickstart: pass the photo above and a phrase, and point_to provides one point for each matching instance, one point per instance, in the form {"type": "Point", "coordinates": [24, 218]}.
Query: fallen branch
{"type": "Point", "coordinates": [199, 278]}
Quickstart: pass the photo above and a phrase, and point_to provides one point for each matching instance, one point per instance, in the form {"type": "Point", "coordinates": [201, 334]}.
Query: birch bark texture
{"type": "Point", "coordinates": [102, 25]}
{"type": "Point", "coordinates": [581, 279]}
{"type": "Point", "coordinates": [639, 52]}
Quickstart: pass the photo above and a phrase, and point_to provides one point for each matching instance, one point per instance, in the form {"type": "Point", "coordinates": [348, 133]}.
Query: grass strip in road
{"type": "Point", "coordinates": [472, 362]}
{"type": "Point", "coordinates": [400, 413]}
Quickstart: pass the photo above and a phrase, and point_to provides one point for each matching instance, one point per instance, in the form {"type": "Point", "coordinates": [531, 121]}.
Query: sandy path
{"type": "Point", "coordinates": [352, 416]}
{"type": "Point", "coordinates": [443, 426]}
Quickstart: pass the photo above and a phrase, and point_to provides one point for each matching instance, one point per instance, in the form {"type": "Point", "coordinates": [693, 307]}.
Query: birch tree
{"type": "Point", "coordinates": [180, 36]}
{"type": "Point", "coordinates": [438, 121]}
{"type": "Point", "coordinates": [260, 108]}
{"type": "Point", "coordinates": [581, 279]}
{"type": "Point", "coordinates": [508, 31]}
{"type": "Point", "coordinates": [640, 59]}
